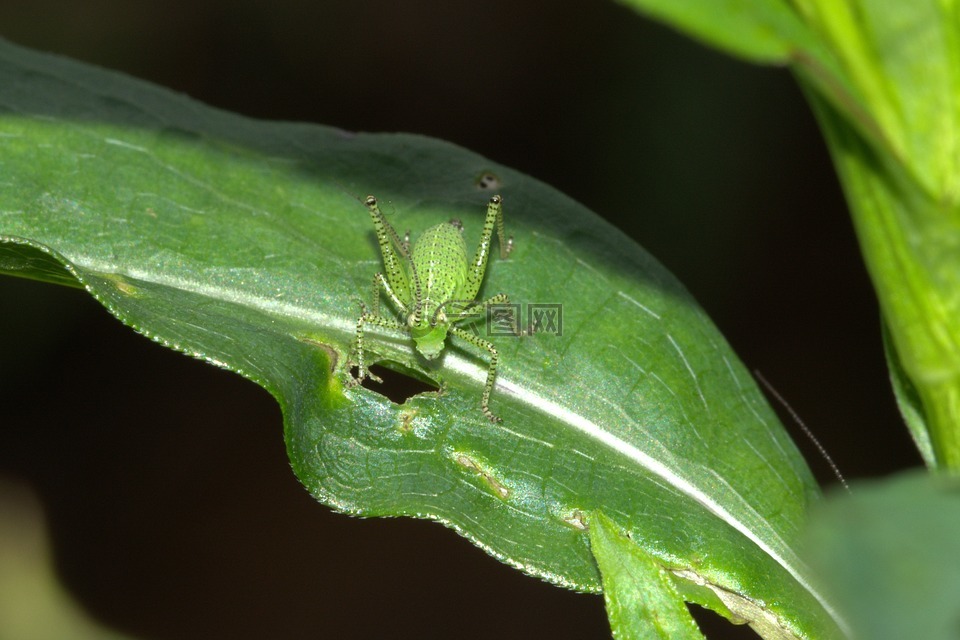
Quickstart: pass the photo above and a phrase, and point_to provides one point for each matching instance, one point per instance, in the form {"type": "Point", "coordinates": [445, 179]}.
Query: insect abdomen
{"type": "Point", "coordinates": [440, 258]}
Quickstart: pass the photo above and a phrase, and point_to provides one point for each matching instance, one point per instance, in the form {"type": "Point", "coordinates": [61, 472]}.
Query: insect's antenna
{"type": "Point", "coordinates": [806, 430]}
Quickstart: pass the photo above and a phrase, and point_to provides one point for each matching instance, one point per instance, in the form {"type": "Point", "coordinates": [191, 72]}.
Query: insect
{"type": "Point", "coordinates": [433, 287]}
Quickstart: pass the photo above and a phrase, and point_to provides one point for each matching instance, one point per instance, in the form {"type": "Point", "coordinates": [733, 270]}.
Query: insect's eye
{"type": "Point", "coordinates": [370, 201]}
{"type": "Point", "coordinates": [493, 200]}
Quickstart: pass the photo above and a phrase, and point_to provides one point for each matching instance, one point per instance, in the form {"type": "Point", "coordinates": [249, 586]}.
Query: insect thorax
{"type": "Point", "coordinates": [429, 340]}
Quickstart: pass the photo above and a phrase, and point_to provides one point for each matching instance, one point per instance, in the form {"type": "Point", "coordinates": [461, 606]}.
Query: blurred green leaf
{"type": "Point", "coordinates": [902, 58]}
{"type": "Point", "coordinates": [242, 243]}
{"type": "Point", "coordinates": [903, 190]}
{"type": "Point", "coordinates": [765, 31]}
{"type": "Point", "coordinates": [890, 555]}
{"type": "Point", "coordinates": [911, 408]}
{"type": "Point", "coordinates": [911, 244]}
{"type": "Point", "coordinates": [882, 78]}
{"type": "Point", "coordinates": [33, 604]}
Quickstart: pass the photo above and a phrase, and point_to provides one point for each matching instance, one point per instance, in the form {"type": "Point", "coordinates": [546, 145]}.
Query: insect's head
{"type": "Point", "coordinates": [429, 339]}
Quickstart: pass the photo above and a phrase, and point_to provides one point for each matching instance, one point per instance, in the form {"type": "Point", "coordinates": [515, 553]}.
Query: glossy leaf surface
{"type": "Point", "coordinates": [243, 243]}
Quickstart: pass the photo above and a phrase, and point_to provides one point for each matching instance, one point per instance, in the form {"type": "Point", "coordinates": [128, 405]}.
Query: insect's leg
{"type": "Point", "coordinates": [473, 311]}
{"type": "Point", "coordinates": [478, 311]}
{"type": "Point", "coordinates": [393, 250]}
{"type": "Point", "coordinates": [377, 277]}
{"type": "Point", "coordinates": [491, 370]}
{"type": "Point", "coordinates": [478, 266]}
{"type": "Point", "coordinates": [376, 320]}
{"type": "Point", "coordinates": [378, 282]}
{"type": "Point", "coordinates": [357, 353]}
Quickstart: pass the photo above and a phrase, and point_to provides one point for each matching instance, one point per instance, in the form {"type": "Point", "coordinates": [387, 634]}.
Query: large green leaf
{"type": "Point", "coordinates": [910, 244]}
{"type": "Point", "coordinates": [242, 243]}
{"type": "Point", "coordinates": [903, 59]}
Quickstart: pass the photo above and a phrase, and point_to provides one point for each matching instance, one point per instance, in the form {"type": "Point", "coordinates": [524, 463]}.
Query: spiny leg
{"type": "Point", "coordinates": [376, 320]}
{"type": "Point", "coordinates": [378, 282]}
{"type": "Point", "coordinates": [478, 267]}
{"type": "Point", "coordinates": [491, 370]}
{"type": "Point", "coordinates": [473, 311]}
{"type": "Point", "coordinates": [381, 225]}
{"type": "Point", "coordinates": [393, 250]}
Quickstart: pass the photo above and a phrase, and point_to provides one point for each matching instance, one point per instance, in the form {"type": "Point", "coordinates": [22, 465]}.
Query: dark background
{"type": "Point", "coordinates": [172, 508]}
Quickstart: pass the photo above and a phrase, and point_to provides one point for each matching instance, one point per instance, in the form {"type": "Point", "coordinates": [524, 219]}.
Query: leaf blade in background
{"type": "Point", "coordinates": [882, 78]}
{"type": "Point", "coordinates": [765, 31]}
{"type": "Point", "coordinates": [902, 58]}
{"type": "Point", "coordinates": [33, 602]}
{"type": "Point", "coordinates": [909, 243]}
{"type": "Point", "coordinates": [242, 243]}
{"type": "Point", "coordinates": [911, 408]}
{"type": "Point", "coordinates": [890, 554]}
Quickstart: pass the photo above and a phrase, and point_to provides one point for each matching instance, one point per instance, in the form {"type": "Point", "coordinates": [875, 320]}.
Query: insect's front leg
{"type": "Point", "coordinates": [376, 320]}
{"type": "Point", "coordinates": [491, 370]}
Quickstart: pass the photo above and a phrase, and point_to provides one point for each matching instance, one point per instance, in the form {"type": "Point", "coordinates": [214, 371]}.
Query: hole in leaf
{"type": "Point", "coordinates": [400, 383]}
{"type": "Point", "coordinates": [713, 625]}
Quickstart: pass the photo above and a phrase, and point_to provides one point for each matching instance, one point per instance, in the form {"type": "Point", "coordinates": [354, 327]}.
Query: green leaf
{"type": "Point", "coordinates": [903, 59]}
{"type": "Point", "coordinates": [904, 193]}
{"type": "Point", "coordinates": [33, 602]}
{"type": "Point", "coordinates": [883, 77]}
{"type": "Point", "coordinates": [243, 243]}
{"type": "Point", "coordinates": [642, 601]}
{"type": "Point", "coordinates": [890, 67]}
{"type": "Point", "coordinates": [766, 31]}
{"type": "Point", "coordinates": [911, 244]}
{"type": "Point", "coordinates": [769, 32]}
{"type": "Point", "coordinates": [908, 400]}
{"type": "Point", "coordinates": [890, 554]}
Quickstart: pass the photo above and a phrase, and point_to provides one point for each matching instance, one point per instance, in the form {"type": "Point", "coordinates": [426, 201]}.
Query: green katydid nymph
{"type": "Point", "coordinates": [433, 287]}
